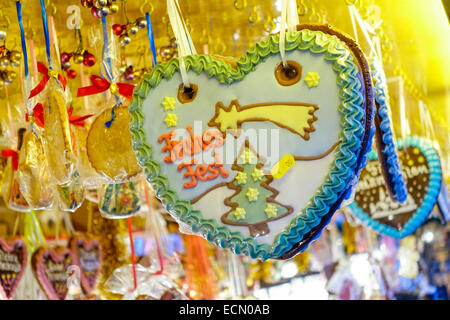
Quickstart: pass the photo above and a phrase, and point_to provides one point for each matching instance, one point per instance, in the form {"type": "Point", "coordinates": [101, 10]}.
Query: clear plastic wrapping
{"type": "Point", "coordinates": [117, 201]}
{"type": "Point", "coordinates": [32, 173]}
{"type": "Point", "coordinates": [109, 147]}
{"type": "Point", "coordinates": [149, 285]}
{"type": "Point", "coordinates": [71, 194]}
{"type": "Point", "coordinates": [57, 137]}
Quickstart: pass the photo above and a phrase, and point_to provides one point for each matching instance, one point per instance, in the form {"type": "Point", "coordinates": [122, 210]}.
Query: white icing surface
{"type": "Point", "coordinates": [301, 182]}
{"type": "Point", "coordinates": [250, 90]}
{"type": "Point", "coordinates": [296, 188]}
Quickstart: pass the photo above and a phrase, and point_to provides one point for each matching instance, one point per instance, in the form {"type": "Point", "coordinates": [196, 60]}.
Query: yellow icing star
{"type": "Point", "coordinates": [257, 174]}
{"type": "Point", "coordinates": [239, 213]}
{"type": "Point", "coordinates": [241, 178]}
{"type": "Point", "coordinates": [171, 119]}
{"type": "Point", "coordinates": [169, 103]}
{"type": "Point", "coordinates": [252, 194]}
{"type": "Point", "coordinates": [247, 156]}
{"type": "Point", "coordinates": [271, 211]}
{"type": "Point", "coordinates": [312, 79]}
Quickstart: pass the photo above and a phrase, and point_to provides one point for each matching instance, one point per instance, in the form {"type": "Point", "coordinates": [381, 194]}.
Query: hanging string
{"type": "Point", "coordinates": [151, 39]}
{"type": "Point", "coordinates": [289, 19]}
{"type": "Point", "coordinates": [12, 127]}
{"type": "Point", "coordinates": [36, 227]}
{"type": "Point", "coordinates": [354, 13]}
{"type": "Point", "coordinates": [155, 237]}
{"type": "Point", "coordinates": [16, 225]}
{"type": "Point", "coordinates": [182, 36]}
{"type": "Point", "coordinates": [89, 218]}
{"type": "Point", "coordinates": [54, 39]}
{"type": "Point", "coordinates": [425, 118]}
{"type": "Point", "coordinates": [106, 57]}
{"type": "Point", "coordinates": [133, 262]}
{"type": "Point", "coordinates": [57, 229]}
{"type": "Point", "coordinates": [352, 18]}
{"type": "Point", "coordinates": [27, 103]}
{"type": "Point", "coordinates": [22, 37]}
{"type": "Point", "coordinates": [46, 34]}
{"type": "Point", "coordinates": [69, 226]}
{"type": "Point", "coordinates": [33, 61]}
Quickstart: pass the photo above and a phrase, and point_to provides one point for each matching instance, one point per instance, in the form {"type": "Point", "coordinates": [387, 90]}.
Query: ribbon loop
{"type": "Point", "coordinates": [47, 75]}
{"type": "Point", "coordinates": [77, 120]}
{"type": "Point", "coordinates": [14, 157]}
{"type": "Point", "coordinates": [100, 84]}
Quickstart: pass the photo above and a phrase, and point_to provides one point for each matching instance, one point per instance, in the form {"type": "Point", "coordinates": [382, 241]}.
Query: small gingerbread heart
{"type": "Point", "coordinates": [13, 261]}
{"type": "Point", "coordinates": [50, 269]}
{"type": "Point", "coordinates": [87, 255]}
{"type": "Point", "coordinates": [423, 175]}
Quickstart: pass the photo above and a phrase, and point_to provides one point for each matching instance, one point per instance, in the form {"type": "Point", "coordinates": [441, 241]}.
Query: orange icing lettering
{"type": "Point", "coordinates": [194, 145]}
{"type": "Point", "coordinates": [189, 173]}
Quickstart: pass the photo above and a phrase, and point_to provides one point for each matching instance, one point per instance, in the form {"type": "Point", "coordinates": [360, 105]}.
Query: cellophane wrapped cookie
{"type": "Point", "coordinates": [88, 176]}
{"type": "Point", "coordinates": [109, 145]}
{"type": "Point", "coordinates": [10, 185]}
{"type": "Point", "coordinates": [120, 200]}
{"type": "Point", "coordinates": [32, 173]}
{"type": "Point", "coordinates": [71, 194]}
{"type": "Point", "coordinates": [57, 137]}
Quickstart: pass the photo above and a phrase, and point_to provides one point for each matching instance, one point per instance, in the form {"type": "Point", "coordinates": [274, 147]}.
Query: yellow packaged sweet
{"type": "Point", "coordinates": [32, 173]}
{"type": "Point", "coordinates": [57, 137]}
{"type": "Point", "coordinates": [109, 145]}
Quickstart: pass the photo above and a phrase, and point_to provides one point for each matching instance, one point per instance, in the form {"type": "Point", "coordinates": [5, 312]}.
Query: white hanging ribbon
{"type": "Point", "coordinates": [184, 41]}
{"type": "Point", "coordinates": [289, 19]}
{"type": "Point", "coordinates": [404, 123]}
{"type": "Point", "coordinates": [365, 28]}
{"type": "Point", "coordinates": [425, 117]}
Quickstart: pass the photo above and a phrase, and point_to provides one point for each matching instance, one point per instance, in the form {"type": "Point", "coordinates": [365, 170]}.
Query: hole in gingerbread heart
{"type": "Point", "coordinates": [187, 94]}
{"type": "Point", "coordinates": [288, 75]}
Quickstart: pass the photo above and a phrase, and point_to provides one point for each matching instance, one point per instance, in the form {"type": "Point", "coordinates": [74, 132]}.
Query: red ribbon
{"type": "Point", "coordinates": [38, 113]}
{"type": "Point", "coordinates": [133, 262]}
{"type": "Point", "coordinates": [100, 84]}
{"type": "Point", "coordinates": [14, 157]}
{"type": "Point", "coordinates": [77, 120]}
{"type": "Point", "coordinates": [41, 85]}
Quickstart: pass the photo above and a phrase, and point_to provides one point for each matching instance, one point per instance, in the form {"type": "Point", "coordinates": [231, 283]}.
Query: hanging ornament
{"type": "Point", "coordinates": [80, 55]}
{"type": "Point", "coordinates": [9, 58]}
{"type": "Point", "coordinates": [130, 28]}
{"type": "Point", "coordinates": [100, 8]}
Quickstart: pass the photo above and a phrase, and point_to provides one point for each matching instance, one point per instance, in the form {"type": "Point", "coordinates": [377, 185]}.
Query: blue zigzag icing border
{"type": "Point", "coordinates": [342, 173]}
{"type": "Point", "coordinates": [389, 150]}
{"type": "Point", "coordinates": [430, 198]}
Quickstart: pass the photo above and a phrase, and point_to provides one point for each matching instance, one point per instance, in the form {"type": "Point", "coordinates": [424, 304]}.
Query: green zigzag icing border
{"type": "Point", "coordinates": [340, 176]}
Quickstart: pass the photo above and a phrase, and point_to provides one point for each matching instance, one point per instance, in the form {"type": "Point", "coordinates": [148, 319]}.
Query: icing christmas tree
{"type": "Point", "coordinates": [253, 203]}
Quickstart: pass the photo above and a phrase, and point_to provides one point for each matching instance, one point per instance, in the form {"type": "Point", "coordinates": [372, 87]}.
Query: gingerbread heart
{"type": "Point", "coordinates": [50, 268]}
{"type": "Point", "coordinates": [13, 261]}
{"type": "Point", "coordinates": [422, 171]}
{"type": "Point", "coordinates": [87, 254]}
{"type": "Point", "coordinates": [256, 156]}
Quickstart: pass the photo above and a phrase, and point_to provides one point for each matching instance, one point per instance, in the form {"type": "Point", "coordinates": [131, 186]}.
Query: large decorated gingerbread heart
{"type": "Point", "coordinates": [50, 268]}
{"type": "Point", "coordinates": [87, 255]}
{"type": "Point", "coordinates": [13, 261]}
{"type": "Point", "coordinates": [422, 171]}
{"type": "Point", "coordinates": [256, 156]}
